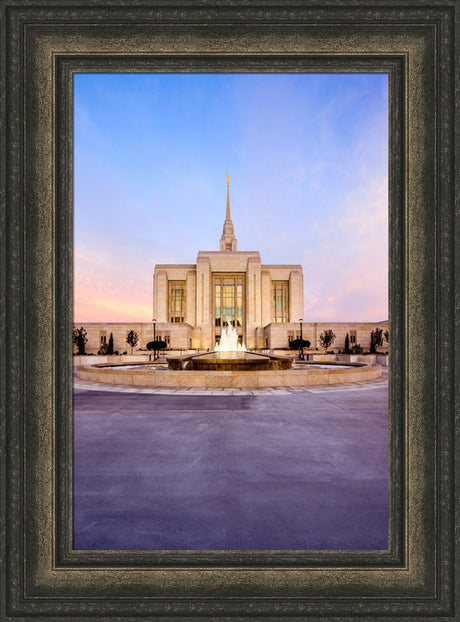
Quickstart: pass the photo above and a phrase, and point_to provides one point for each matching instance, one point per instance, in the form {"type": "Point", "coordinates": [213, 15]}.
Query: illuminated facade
{"type": "Point", "coordinates": [192, 303]}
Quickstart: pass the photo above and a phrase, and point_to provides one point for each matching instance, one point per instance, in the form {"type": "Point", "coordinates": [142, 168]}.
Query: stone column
{"type": "Point", "coordinates": [267, 301]}
{"type": "Point", "coordinates": [190, 298]}
{"type": "Point", "coordinates": [203, 300]}
{"type": "Point", "coordinates": [253, 300]}
{"type": "Point", "coordinates": [296, 295]}
{"type": "Point", "coordinates": [160, 295]}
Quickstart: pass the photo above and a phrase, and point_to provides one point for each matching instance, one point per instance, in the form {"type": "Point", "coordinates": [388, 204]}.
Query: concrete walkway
{"type": "Point", "coordinates": [279, 469]}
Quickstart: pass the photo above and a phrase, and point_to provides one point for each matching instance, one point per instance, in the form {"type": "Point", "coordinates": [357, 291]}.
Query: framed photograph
{"type": "Point", "coordinates": [49, 48]}
{"type": "Point", "coordinates": [201, 471]}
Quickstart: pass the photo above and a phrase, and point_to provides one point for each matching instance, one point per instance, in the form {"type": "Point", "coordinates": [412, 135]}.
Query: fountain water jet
{"type": "Point", "coordinates": [229, 341]}
{"type": "Point", "coordinates": [229, 355]}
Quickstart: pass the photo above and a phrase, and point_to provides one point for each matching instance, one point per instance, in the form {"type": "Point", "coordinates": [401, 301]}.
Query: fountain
{"type": "Point", "coordinates": [229, 366]}
{"type": "Point", "coordinates": [229, 355]}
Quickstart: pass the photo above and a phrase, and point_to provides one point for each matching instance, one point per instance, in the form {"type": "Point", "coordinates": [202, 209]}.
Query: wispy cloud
{"type": "Point", "coordinates": [307, 156]}
{"type": "Point", "coordinates": [346, 276]}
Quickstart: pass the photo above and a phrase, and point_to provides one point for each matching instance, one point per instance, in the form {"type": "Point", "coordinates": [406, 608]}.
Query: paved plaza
{"type": "Point", "coordinates": [231, 469]}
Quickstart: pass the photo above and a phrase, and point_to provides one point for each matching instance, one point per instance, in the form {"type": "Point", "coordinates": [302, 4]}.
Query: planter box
{"type": "Point", "coordinates": [324, 358]}
{"type": "Point", "coordinates": [87, 359]}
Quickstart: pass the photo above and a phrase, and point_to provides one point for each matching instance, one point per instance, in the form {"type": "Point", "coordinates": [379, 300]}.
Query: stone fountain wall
{"type": "Point", "coordinates": [227, 379]}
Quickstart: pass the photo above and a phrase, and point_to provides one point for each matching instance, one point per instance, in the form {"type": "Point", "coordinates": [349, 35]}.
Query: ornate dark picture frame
{"type": "Point", "coordinates": [44, 43]}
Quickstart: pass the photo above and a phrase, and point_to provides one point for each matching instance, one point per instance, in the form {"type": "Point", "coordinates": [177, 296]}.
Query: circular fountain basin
{"type": "Point", "coordinates": [159, 375]}
{"type": "Point", "coordinates": [229, 361]}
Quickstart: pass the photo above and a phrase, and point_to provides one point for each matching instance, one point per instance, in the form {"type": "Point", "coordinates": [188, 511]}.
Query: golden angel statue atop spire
{"type": "Point", "coordinates": [228, 178]}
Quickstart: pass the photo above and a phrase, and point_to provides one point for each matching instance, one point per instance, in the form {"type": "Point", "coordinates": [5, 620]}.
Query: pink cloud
{"type": "Point", "coordinates": [346, 276]}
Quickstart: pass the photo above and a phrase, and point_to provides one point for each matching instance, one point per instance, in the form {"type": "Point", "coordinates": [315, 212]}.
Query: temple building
{"type": "Point", "coordinates": [192, 303]}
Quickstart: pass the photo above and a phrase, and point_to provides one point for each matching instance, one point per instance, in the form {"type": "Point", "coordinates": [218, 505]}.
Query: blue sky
{"type": "Point", "coordinates": [307, 156]}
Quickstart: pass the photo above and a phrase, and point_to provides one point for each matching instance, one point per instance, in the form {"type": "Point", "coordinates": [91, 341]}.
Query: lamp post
{"type": "Point", "coordinates": [302, 358]}
{"type": "Point", "coordinates": [154, 339]}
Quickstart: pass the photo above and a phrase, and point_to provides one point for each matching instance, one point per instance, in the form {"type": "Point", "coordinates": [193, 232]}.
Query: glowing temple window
{"type": "Point", "coordinates": [280, 313]}
{"type": "Point", "coordinates": [228, 301]}
{"type": "Point", "coordinates": [176, 301]}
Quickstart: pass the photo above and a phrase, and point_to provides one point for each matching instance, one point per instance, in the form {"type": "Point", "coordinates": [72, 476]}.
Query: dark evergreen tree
{"type": "Point", "coordinates": [110, 348]}
{"type": "Point", "coordinates": [347, 349]}
{"type": "Point", "coordinates": [80, 339]}
{"type": "Point", "coordinates": [372, 349]}
{"type": "Point", "coordinates": [376, 340]}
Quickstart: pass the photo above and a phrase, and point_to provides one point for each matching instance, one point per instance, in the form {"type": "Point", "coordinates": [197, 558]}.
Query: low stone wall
{"type": "Point", "coordinates": [118, 359]}
{"type": "Point", "coordinates": [88, 359]}
{"type": "Point", "coordinates": [371, 359]}
{"type": "Point", "coordinates": [322, 358]}
{"type": "Point", "coordinates": [227, 379]}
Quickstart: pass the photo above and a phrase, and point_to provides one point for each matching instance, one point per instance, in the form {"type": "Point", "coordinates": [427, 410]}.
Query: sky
{"type": "Point", "coordinates": [307, 156]}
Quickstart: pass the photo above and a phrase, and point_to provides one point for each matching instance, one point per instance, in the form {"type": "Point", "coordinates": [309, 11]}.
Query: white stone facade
{"type": "Point", "coordinates": [192, 303]}
{"type": "Point", "coordinates": [223, 287]}
{"type": "Point", "coordinates": [217, 278]}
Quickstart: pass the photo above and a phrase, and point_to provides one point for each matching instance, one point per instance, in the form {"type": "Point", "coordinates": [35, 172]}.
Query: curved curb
{"type": "Point", "coordinates": [227, 379]}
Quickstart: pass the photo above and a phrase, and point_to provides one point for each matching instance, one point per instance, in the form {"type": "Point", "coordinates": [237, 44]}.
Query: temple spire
{"type": "Point", "coordinates": [228, 213]}
{"type": "Point", "coordinates": [228, 239]}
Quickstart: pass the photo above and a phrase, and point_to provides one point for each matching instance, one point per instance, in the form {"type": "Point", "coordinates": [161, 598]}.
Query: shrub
{"type": "Point", "coordinates": [80, 339]}
{"type": "Point", "coordinates": [132, 339]}
{"type": "Point", "coordinates": [296, 344]}
{"type": "Point", "coordinates": [104, 349]}
{"type": "Point", "coordinates": [326, 339]}
{"type": "Point", "coordinates": [376, 340]}
{"type": "Point", "coordinates": [158, 344]}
